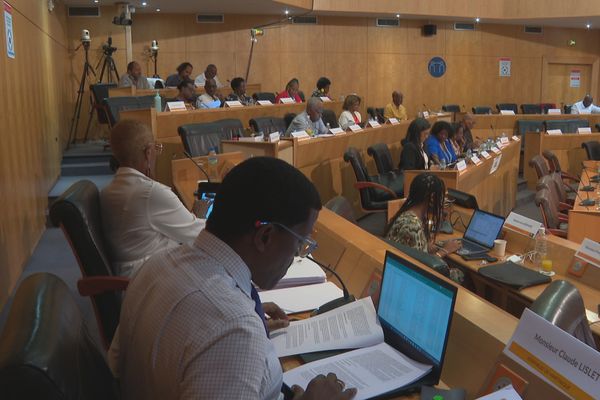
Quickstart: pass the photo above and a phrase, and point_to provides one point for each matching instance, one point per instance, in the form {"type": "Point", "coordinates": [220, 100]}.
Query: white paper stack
{"type": "Point", "coordinates": [302, 272]}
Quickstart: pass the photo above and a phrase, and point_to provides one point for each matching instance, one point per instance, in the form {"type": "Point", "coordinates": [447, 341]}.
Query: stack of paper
{"type": "Point", "coordinates": [302, 272]}
{"type": "Point", "coordinates": [302, 298]}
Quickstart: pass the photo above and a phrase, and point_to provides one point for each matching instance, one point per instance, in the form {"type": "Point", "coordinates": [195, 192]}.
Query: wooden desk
{"type": "Point", "coordinates": [284, 149]}
{"type": "Point", "coordinates": [170, 93]}
{"type": "Point", "coordinates": [567, 148]}
{"type": "Point", "coordinates": [164, 124]}
{"type": "Point", "coordinates": [496, 193]}
{"type": "Point", "coordinates": [479, 330]}
{"type": "Point", "coordinates": [584, 222]}
{"type": "Point", "coordinates": [508, 123]}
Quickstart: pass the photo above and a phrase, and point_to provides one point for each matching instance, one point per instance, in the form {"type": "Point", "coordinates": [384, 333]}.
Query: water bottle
{"type": "Point", "coordinates": [328, 127]}
{"type": "Point", "coordinates": [157, 102]}
{"type": "Point", "coordinates": [213, 161]}
{"type": "Point", "coordinates": [541, 249]}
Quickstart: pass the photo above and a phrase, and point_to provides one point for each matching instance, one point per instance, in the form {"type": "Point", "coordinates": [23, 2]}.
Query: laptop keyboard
{"type": "Point", "coordinates": [469, 247]}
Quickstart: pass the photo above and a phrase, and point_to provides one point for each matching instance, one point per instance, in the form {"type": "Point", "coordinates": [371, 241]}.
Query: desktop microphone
{"type": "Point", "coordinates": [347, 298]}
{"type": "Point", "coordinates": [586, 188]}
{"type": "Point", "coordinates": [587, 202]}
{"type": "Point", "coordinates": [189, 157]}
{"type": "Point", "coordinates": [426, 108]}
{"type": "Point", "coordinates": [493, 130]}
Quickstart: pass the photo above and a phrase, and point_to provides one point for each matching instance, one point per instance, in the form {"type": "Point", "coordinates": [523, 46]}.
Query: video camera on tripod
{"type": "Point", "coordinates": [107, 48]}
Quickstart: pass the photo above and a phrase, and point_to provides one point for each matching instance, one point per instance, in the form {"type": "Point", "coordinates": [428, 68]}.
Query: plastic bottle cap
{"type": "Point", "coordinates": [438, 397]}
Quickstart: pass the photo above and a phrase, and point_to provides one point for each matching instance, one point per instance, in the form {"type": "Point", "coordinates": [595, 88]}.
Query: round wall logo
{"type": "Point", "coordinates": [437, 67]}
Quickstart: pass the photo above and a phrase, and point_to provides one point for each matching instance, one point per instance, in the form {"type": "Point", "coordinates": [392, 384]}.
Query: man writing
{"type": "Point", "coordinates": [309, 120]}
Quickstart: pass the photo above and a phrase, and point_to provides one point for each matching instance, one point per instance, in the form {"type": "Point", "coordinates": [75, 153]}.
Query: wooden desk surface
{"type": "Point", "coordinates": [584, 222]}
{"type": "Point", "coordinates": [251, 88]}
{"type": "Point", "coordinates": [567, 148]}
{"type": "Point", "coordinates": [509, 122]}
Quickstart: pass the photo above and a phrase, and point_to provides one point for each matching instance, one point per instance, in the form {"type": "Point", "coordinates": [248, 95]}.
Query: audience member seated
{"type": "Point", "coordinates": [141, 216]}
{"type": "Point", "coordinates": [291, 91]}
{"type": "Point", "coordinates": [468, 122]}
{"type": "Point", "coordinates": [209, 73]}
{"type": "Point", "coordinates": [134, 77]}
{"type": "Point", "coordinates": [212, 98]}
{"type": "Point", "coordinates": [413, 155]}
{"type": "Point", "coordinates": [184, 71]}
{"type": "Point", "coordinates": [438, 145]}
{"type": "Point", "coordinates": [350, 115]}
{"type": "Point", "coordinates": [192, 325]}
{"type": "Point", "coordinates": [238, 85]}
{"type": "Point", "coordinates": [457, 139]}
{"type": "Point", "coordinates": [187, 93]}
{"type": "Point", "coordinates": [395, 109]}
{"type": "Point", "coordinates": [323, 85]}
{"type": "Point", "coordinates": [309, 120]}
{"type": "Point", "coordinates": [585, 106]}
{"type": "Point", "coordinates": [415, 224]}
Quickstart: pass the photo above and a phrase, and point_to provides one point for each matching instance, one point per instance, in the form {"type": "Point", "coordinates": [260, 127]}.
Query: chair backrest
{"type": "Point", "coordinates": [301, 95]}
{"type": "Point", "coordinates": [552, 160]}
{"type": "Point", "coordinates": [100, 92]}
{"type": "Point", "coordinates": [77, 212]}
{"type": "Point", "coordinates": [531, 109]}
{"type": "Point", "coordinates": [454, 108]}
{"type": "Point", "coordinates": [230, 128]}
{"type": "Point", "coordinates": [507, 106]}
{"type": "Point", "coordinates": [115, 105]}
{"type": "Point", "coordinates": [482, 110]}
{"type": "Point", "coordinates": [342, 207]}
{"type": "Point", "coordinates": [379, 112]}
{"type": "Point", "coordinates": [546, 106]}
{"type": "Point", "coordinates": [46, 352]}
{"type": "Point", "coordinates": [525, 126]}
{"type": "Point", "coordinates": [539, 164]}
{"type": "Point", "coordinates": [352, 156]}
{"type": "Point", "coordinates": [267, 125]}
{"type": "Point", "coordinates": [330, 118]}
{"type": "Point", "coordinates": [264, 96]}
{"type": "Point", "coordinates": [200, 139]}
{"type": "Point", "coordinates": [592, 148]}
{"type": "Point", "coordinates": [567, 108]}
{"type": "Point", "coordinates": [566, 125]}
{"type": "Point", "coordinates": [288, 118]}
{"type": "Point", "coordinates": [372, 113]}
{"type": "Point", "coordinates": [562, 305]}
{"type": "Point", "coordinates": [382, 156]}
{"type": "Point", "coordinates": [556, 188]}
{"type": "Point", "coordinates": [549, 209]}
{"type": "Point", "coordinates": [431, 261]}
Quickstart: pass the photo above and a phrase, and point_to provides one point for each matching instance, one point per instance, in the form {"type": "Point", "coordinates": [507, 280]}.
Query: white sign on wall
{"type": "Point", "coordinates": [8, 29]}
{"type": "Point", "coordinates": [575, 78]}
{"type": "Point", "coordinates": [504, 65]}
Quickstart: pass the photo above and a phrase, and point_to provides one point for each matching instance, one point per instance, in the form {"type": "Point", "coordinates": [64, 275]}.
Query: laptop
{"type": "Point", "coordinates": [479, 237]}
{"type": "Point", "coordinates": [415, 311]}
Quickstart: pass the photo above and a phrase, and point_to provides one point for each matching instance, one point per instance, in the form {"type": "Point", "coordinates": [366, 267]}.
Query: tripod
{"type": "Point", "coordinates": [109, 67]}
{"type": "Point", "coordinates": [87, 68]}
{"type": "Point", "coordinates": [154, 58]}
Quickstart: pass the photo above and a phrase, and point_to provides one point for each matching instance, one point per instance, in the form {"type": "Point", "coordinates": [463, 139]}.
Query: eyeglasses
{"type": "Point", "coordinates": [306, 244]}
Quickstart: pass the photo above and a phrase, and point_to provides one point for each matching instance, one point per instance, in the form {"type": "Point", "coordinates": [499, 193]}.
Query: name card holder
{"type": "Point", "coordinates": [264, 103]}
{"type": "Point", "coordinates": [336, 131]}
{"type": "Point", "coordinates": [355, 128]}
{"type": "Point", "coordinates": [374, 124]}
{"type": "Point", "coordinates": [554, 132]}
{"type": "Point", "coordinates": [554, 111]}
{"type": "Point", "coordinates": [589, 251]}
{"type": "Point", "coordinates": [516, 138]}
{"type": "Point", "coordinates": [274, 137]}
{"type": "Point", "coordinates": [393, 121]}
{"type": "Point", "coordinates": [233, 103]}
{"type": "Point", "coordinates": [176, 106]}
{"type": "Point", "coordinates": [476, 160]}
{"type": "Point", "coordinates": [504, 140]}
{"type": "Point", "coordinates": [425, 114]}
{"type": "Point", "coordinates": [325, 99]}
{"type": "Point", "coordinates": [523, 225]}
{"type": "Point", "coordinates": [496, 150]}
{"type": "Point", "coordinates": [258, 138]}
{"type": "Point", "coordinates": [461, 166]}
{"type": "Point", "coordinates": [486, 155]}
{"type": "Point", "coordinates": [584, 130]}
{"type": "Point", "coordinates": [507, 112]}
{"type": "Point", "coordinates": [287, 100]}
{"type": "Point", "coordinates": [300, 135]}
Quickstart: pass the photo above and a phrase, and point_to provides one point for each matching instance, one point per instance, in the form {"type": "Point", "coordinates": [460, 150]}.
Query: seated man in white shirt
{"type": "Point", "coordinates": [585, 106]}
{"type": "Point", "coordinates": [192, 325]}
{"type": "Point", "coordinates": [212, 98]}
{"type": "Point", "coordinates": [309, 120]}
{"type": "Point", "coordinates": [141, 216]}
{"type": "Point", "coordinates": [209, 73]}
{"type": "Point", "coordinates": [134, 77]}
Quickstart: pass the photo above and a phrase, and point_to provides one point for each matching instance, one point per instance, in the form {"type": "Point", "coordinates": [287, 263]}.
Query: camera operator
{"type": "Point", "coordinates": [134, 77]}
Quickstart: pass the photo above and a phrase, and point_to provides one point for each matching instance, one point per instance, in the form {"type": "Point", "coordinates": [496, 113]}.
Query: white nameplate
{"type": "Point", "coordinates": [393, 121]}
{"type": "Point", "coordinates": [589, 251]}
{"type": "Point", "coordinates": [560, 359]}
{"type": "Point", "coordinates": [264, 103]}
{"type": "Point", "coordinates": [287, 100]}
{"type": "Point", "coordinates": [425, 114]}
{"type": "Point", "coordinates": [554, 132]}
{"type": "Point", "coordinates": [485, 154]}
{"type": "Point", "coordinates": [504, 140]}
{"type": "Point", "coordinates": [461, 165]}
{"type": "Point", "coordinates": [495, 164]}
{"type": "Point", "coordinates": [584, 130]}
{"type": "Point", "coordinates": [337, 131]}
{"type": "Point", "coordinates": [554, 111]}
{"type": "Point", "coordinates": [499, 144]}
{"type": "Point", "coordinates": [176, 106]}
{"type": "Point", "coordinates": [583, 112]}
{"type": "Point", "coordinates": [300, 135]}
{"type": "Point", "coordinates": [325, 99]}
{"type": "Point", "coordinates": [523, 225]}
{"type": "Point", "coordinates": [507, 112]}
{"type": "Point", "coordinates": [355, 128]}
{"type": "Point", "coordinates": [476, 160]}
{"type": "Point", "coordinates": [374, 124]}
{"type": "Point", "coordinates": [233, 103]}
{"type": "Point", "coordinates": [258, 138]}
{"type": "Point", "coordinates": [274, 137]}
{"type": "Point", "coordinates": [496, 150]}
{"type": "Point", "coordinates": [516, 138]}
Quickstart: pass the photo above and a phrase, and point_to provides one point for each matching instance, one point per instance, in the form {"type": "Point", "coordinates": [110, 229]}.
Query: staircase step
{"type": "Point", "coordinates": [81, 159]}
{"type": "Point", "coordinates": [524, 196]}
{"type": "Point", "coordinates": [87, 168]}
{"type": "Point", "coordinates": [521, 183]}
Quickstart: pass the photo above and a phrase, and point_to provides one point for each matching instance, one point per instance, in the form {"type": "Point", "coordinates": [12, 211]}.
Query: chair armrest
{"type": "Point", "coordinates": [558, 232]}
{"type": "Point", "coordinates": [94, 285]}
{"type": "Point", "coordinates": [373, 185]}
{"type": "Point", "coordinates": [564, 206]}
{"type": "Point", "coordinates": [566, 175]}
{"type": "Point", "coordinates": [563, 218]}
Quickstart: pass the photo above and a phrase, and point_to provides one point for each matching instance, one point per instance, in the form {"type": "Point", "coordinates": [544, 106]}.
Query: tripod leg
{"type": "Point", "coordinates": [92, 106]}
{"type": "Point", "coordinates": [77, 111]}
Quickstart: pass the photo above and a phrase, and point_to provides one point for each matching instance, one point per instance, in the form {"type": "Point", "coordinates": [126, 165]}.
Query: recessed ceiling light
{"type": "Point", "coordinates": [588, 26]}
{"type": "Point", "coordinates": [287, 12]}
{"type": "Point", "coordinates": [144, 4]}
{"type": "Point", "coordinates": [477, 19]}
{"type": "Point", "coordinates": [158, 10]}
{"type": "Point", "coordinates": [96, 1]}
{"type": "Point", "coordinates": [397, 15]}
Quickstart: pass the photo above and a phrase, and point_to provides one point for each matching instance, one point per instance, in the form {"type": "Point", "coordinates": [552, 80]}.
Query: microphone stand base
{"type": "Point", "coordinates": [333, 304]}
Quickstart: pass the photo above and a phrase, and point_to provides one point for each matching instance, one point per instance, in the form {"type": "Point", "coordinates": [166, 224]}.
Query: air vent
{"type": "Point", "coordinates": [464, 26]}
{"type": "Point", "coordinates": [84, 11]}
{"type": "Point", "coordinates": [388, 22]}
{"type": "Point", "coordinates": [535, 30]}
{"type": "Point", "coordinates": [308, 19]}
{"type": "Point", "coordinates": [210, 18]}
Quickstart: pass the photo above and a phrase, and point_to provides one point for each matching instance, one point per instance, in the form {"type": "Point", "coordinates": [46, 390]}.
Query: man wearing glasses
{"type": "Point", "coordinates": [192, 325]}
{"type": "Point", "coordinates": [141, 216]}
{"type": "Point", "coordinates": [309, 120]}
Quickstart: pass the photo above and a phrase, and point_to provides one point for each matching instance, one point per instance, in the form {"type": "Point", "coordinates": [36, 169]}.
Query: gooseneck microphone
{"type": "Point", "coordinates": [189, 157]}
{"type": "Point", "coordinates": [588, 187]}
{"type": "Point", "coordinates": [347, 298]}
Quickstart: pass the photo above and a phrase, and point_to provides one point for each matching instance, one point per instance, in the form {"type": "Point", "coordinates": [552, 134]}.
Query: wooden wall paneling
{"type": "Point", "coordinates": [387, 39]}
{"type": "Point", "coordinates": [307, 68]}
{"type": "Point", "coordinates": [419, 44]}
{"type": "Point", "coordinates": [494, 88]}
{"type": "Point", "coordinates": [526, 75]}
{"type": "Point", "coordinates": [303, 38]}
{"type": "Point", "coordinates": [498, 40]}
{"type": "Point", "coordinates": [594, 62]}
{"type": "Point", "coordinates": [349, 74]}
{"type": "Point", "coordinates": [558, 88]}
{"type": "Point", "coordinates": [463, 81]}
{"type": "Point", "coordinates": [265, 69]}
{"type": "Point", "coordinates": [463, 43]}
{"type": "Point", "coordinates": [387, 72]}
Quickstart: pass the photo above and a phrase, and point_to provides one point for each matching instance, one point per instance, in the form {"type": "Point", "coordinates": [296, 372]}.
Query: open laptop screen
{"type": "Point", "coordinates": [484, 228]}
{"type": "Point", "coordinates": [417, 306]}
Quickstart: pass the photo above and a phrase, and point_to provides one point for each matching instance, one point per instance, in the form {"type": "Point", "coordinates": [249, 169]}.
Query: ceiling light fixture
{"type": "Point", "coordinates": [588, 26]}
{"type": "Point", "coordinates": [477, 20]}
{"type": "Point", "coordinates": [397, 15]}
{"type": "Point", "coordinates": [144, 4]}
{"type": "Point", "coordinates": [96, 1]}
{"type": "Point", "coordinates": [158, 10]}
